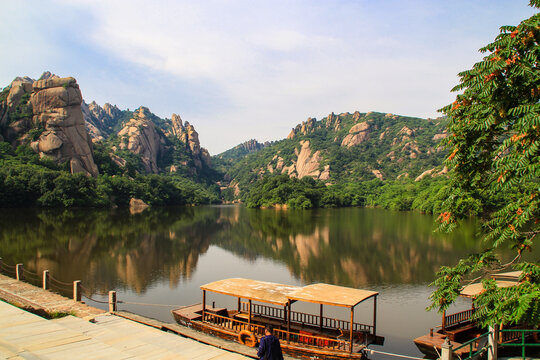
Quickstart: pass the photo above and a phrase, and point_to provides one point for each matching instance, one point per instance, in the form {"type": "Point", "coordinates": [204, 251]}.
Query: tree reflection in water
{"type": "Point", "coordinates": [113, 249]}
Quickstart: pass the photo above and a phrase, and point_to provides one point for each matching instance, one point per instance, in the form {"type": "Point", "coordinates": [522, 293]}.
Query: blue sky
{"type": "Point", "coordinates": [238, 70]}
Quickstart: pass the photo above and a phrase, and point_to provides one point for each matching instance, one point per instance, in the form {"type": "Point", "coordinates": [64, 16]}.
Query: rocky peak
{"type": "Point", "coordinates": [356, 116]}
{"type": "Point", "coordinates": [142, 112]}
{"type": "Point", "coordinates": [100, 120]}
{"type": "Point", "coordinates": [177, 126]}
{"type": "Point", "coordinates": [140, 136]}
{"type": "Point", "coordinates": [56, 104]}
{"type": "Point", "coordinates": [333, 120]}
{"type": "Point", "coordinates": [251, 145]}
{"type": "Point", "coordinates": [48, 75]}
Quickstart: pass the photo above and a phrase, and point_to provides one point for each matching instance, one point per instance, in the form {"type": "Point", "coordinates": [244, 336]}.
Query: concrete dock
{"type": "Point", "coordinates": [24, 335]}
{"type": "Point", "coordinates": [89, 333]}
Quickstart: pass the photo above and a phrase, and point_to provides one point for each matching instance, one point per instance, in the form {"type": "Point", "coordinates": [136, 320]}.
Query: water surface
{"type": "Point", "coordinates": [162, 256]}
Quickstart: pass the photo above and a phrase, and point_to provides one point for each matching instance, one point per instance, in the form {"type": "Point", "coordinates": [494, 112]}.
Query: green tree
{"type": "Point", "coordinates": [493, 144]}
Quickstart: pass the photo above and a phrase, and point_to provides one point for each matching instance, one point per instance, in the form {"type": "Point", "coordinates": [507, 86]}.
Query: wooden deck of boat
{"type": "Point", "coordinates": [27, 336]}
{"type": "Point", "coordinates": [437, 340]}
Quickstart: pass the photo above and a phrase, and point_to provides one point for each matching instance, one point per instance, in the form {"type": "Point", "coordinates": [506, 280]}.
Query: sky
{"type": "Point", "coordinates": [240, 70]}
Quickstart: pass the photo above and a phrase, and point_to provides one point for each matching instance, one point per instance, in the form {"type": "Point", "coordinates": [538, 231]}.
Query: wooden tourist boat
{"type": "Point", "coordinates": [460, 327]}
{"type": "Point", "coordinates": [302, 335]}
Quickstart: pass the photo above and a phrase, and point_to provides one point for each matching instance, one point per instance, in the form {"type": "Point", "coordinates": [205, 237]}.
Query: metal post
{"type": "Point", "coordinates": [443, 324]}
{"type": "Point", "coordinates": [203, 304]}
{"type": "Point", "coordinates": [249, 316]}
{"type": "Point", "coordinates": [375, 316]}
{"type": "Point", "coordinates": [45, 279]}
{"type": "Point", "coordinates": [19, 271]}
{"type": "Point", "coordinates": [493, 342]}
{"type": "Point", "coordinates": [288, 320]}
{"type": "Point", "coordinates": [77, 290]}
{"type": "Point", "coordinates": [112, 301]}
{"type": "Point", "coordinates": [321, 316]}
{"type": "Point", "coordinates": [446, 350]}
{"type": "Point", "coordinates": [351, 327]}
{"type": "Point", "coordinates": [239, 304]}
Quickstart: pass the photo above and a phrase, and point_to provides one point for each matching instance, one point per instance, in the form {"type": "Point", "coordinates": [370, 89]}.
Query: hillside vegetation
{"type": "Point", "coordinates": [359, 159]}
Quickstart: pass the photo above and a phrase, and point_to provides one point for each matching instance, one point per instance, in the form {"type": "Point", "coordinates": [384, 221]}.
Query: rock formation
{"type": "Point", "coordinates": [186, 133]}
{"type": "Point", "coordinates": [56, 105]}
{"type": "Point", "coordinates": [306, 164]}
{"type": "Point", "coordinates": [47, 114]}
{"type": "Point", "coordinates": [140, 136]}
{"type": "Point", "coordinates": [357, 134]}
{"type": "Point", "coordinates": [100, 121]}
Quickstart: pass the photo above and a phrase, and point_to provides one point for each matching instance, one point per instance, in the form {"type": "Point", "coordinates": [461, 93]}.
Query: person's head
{"type": "Point", "coordinates": [268, 330]}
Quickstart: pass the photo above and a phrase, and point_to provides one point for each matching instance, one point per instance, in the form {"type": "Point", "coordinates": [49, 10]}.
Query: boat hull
{"type": "Point", "coordinates": [302, 352]}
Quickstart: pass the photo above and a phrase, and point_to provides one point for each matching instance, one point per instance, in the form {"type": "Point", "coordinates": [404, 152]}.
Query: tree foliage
{"type": "Point", "coordinates": [495, 170]}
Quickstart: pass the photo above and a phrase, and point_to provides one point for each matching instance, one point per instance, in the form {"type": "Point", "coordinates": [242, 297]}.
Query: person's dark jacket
{"type": "Point", "coordinates": [270, 345]}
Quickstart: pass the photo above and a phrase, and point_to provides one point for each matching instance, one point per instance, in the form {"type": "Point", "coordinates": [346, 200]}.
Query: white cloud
{"type": "Point", "coordinates": [257, 68]}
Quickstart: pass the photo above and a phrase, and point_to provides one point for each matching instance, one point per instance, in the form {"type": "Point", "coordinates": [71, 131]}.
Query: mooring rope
{"type": "Point", "coordinates": [94, 300]}
{"type": "Point", "coordinates": [60, 282]}
{"type": "Point", "coordinates": [145, 304]}
{"type": "Point", "coordinates": [371, 351]}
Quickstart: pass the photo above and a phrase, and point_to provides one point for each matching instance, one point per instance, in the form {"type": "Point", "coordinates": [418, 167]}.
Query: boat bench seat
{"type": "Point", "coordinates": [217, 311]}
{"type": "Point", "coordinates": [454, 333]}
{"type": "Point", "coordinates": [192, 316]}
{"type": "Point", "coordinates": [241, 316]}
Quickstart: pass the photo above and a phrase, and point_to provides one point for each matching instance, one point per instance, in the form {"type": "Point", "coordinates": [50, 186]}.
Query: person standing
{"type": "Point", "coordinates": [269, 348]}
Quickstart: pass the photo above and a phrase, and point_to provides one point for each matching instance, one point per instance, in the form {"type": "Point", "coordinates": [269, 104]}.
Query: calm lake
{"type": "Point", "coordinates": [163, 255]}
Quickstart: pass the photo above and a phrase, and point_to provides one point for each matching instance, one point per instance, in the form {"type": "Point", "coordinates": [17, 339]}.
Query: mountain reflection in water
{"type": "Point", "coordinates": [109, 249]}
{"type": "Point", "coordinates": [163, 255]}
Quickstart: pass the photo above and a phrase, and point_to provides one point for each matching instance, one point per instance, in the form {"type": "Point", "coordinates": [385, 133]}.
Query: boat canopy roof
{"type": "Point", "coordinates": [331, 295]}
{"type": "Point", "coordinates": [502, 279]}
{"type": "Point", "coordinates": [263, 291]}
{"type": "Point", "coordinates": [280, 294]}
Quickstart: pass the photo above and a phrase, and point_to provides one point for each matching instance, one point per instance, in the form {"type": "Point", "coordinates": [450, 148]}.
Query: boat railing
{"type": "Point", "coordinates": [234, 325]}
{"type": "Point", "coordinates": [458, 318]}
{"type": "Point", "coordinates": [263, 310]}
{"type": "Point", "coordinates": [312, 340]}
{"type": "Point", "coordinates": [306, 319]}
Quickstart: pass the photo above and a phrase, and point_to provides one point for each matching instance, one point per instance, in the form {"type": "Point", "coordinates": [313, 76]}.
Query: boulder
{"type": "Point", "coordinates": [357, 134]}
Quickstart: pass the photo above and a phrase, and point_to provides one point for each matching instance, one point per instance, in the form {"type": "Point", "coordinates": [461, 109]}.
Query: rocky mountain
{"type": "Point", "coordinates": [50, 115]}
{"type": "Point", "coordinates": [242, 150]}
{"type": "Point", "coordinates": [349, 147]}
{"type": "Point", "coordinates": [47, 115]}
{"type": "Point", "coordinates": [100, 121]}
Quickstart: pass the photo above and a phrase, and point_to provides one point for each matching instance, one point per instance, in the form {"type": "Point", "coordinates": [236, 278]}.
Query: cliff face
{"type": "Point", "coordinates": [140, 136]}
{"type": "Point", "coordinates": [100, 121]}
{"type": "Point", "coordinates": [47, 114]}
{"type": "Point", "coordinates": [185, 132]}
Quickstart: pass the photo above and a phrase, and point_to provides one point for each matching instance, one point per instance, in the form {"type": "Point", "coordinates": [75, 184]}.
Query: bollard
{"type": "Point", "coordinates": [77, 290]}
{"type": "Point", "coordinates": [446, 350]}
{"type": "Point", "coordinates": [112, 301]}
{"type": "Point", "coordinates": [45, 279]}
{"type": "Point", "coordinates": [19, 271]}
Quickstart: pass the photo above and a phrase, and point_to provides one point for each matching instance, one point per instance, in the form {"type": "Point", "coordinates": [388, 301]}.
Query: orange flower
{"type": "Point", "coordinates": [512, 227]}
{"type": "Point", "coordinates": [519, 211]}
{"type": "Point", "coordinates": [452, 155]}
{"type": "Point", "coordinates": [445, 217]}
{"type": "Point", "coordinates": [501, 177]}
{"type": "Point", "coordinates": [514, 33]}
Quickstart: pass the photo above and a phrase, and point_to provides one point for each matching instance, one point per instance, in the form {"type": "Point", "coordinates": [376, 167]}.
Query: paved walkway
{"type": "Point", "coordinates": [29, 296]}
{"type": "Point", "coordinates": [24, 335]}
